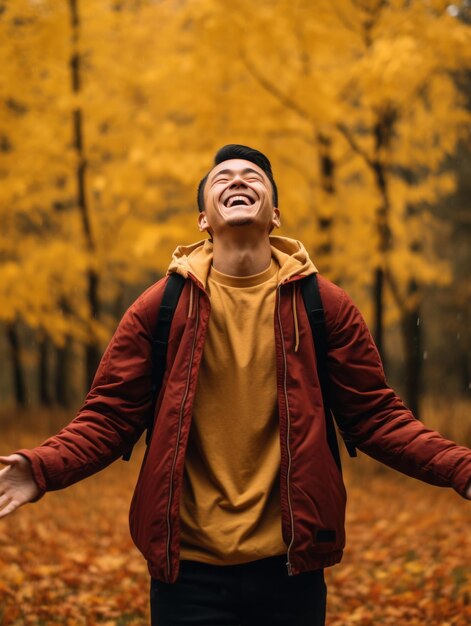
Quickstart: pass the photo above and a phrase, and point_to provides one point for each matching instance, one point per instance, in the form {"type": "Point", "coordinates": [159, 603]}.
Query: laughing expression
{"type": "Point", "coordinates": [238, 193]}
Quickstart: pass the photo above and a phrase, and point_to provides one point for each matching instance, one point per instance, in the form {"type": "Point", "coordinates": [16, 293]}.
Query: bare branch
{"type": "Point", "coordinates": [354, 145]}
{"type": "Point", "coordinates": [395, 291]}
{"type": "Point", "coordinates": [274, 90]}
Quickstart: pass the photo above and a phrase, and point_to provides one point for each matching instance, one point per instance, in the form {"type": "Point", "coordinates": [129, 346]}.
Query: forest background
{"type": "Point", "coordinates": [111, 112]}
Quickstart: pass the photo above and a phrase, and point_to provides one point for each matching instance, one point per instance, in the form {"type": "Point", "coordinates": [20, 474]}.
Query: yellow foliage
{"type": "Point", "coordinates": [163, 85]}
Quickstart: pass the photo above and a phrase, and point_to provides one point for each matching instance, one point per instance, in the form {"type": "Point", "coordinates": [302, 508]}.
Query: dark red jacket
{"type": "Point", "coordinates": [116, 412]}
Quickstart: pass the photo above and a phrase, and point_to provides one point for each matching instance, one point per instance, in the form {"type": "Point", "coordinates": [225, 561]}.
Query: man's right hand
{"type": "Point", "coordinates": [17, 485]}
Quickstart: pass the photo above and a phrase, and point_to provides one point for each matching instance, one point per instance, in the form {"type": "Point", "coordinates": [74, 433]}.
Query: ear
{"type": "Point", "coordinates": [203, 221]}
{"type": "Point", "coordinates": [276, 221]}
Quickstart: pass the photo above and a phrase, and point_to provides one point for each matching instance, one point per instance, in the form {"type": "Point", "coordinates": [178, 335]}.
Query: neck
{"type": "Point", "coordinates": [241, 257]}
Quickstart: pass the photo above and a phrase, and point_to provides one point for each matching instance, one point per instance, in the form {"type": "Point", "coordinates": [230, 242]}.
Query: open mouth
{"type": "Point", "coordinates": [238, 200]}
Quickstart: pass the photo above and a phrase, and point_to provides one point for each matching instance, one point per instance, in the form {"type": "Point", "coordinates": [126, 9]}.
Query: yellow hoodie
{"type": "Point", "coordinates": [230, 504]}
{"type": "Point", "coordinates": [197, 258]}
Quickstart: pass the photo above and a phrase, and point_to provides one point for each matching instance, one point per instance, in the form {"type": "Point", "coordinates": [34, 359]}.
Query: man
{"type": "Point", "coordinates": [240, 504]}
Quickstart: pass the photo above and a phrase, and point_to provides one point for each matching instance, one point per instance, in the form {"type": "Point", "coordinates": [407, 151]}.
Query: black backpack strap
{"type": "Point", "coordinates": [171, 295]}
{"type": "Point", "coordinates": [315, 310]}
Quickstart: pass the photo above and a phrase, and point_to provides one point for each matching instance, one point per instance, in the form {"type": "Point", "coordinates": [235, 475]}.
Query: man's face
{"type": "Point", "coordinates": [238, 193]}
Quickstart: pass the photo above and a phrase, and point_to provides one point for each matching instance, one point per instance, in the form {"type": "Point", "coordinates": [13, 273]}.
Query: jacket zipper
{"type": "Point", "coordinates": [180, 421]}
{"type": "Point", "coordinates": [288, 562]}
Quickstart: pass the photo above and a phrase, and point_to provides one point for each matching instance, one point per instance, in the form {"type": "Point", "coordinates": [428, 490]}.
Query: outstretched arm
{"type": "Point", "coordinates": [114, 415]}
{"type": "Point", "coordinates": [372, 416]}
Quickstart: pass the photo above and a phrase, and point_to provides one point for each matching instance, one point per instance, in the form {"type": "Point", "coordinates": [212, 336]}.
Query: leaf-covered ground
{"type": "Point", "coordinates": [69, 560]}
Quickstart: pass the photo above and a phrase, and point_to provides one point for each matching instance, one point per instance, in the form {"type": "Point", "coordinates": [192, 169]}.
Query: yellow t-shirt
{"type": "Point", "coordinates": [230, 505]}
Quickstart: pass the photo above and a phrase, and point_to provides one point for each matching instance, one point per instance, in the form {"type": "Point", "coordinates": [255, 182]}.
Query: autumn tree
{"type": "Point", "coordinates": [34, 249]}
{"type": "Point", "coordinates": [69, 247]}
{"type": "Point", "coordinates": [121, 106]}
{"type": "Point", "coordinates": [369, 88]}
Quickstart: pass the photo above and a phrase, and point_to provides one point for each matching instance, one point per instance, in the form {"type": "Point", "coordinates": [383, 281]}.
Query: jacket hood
{"type": "Point", "coordinates": [196, 259]}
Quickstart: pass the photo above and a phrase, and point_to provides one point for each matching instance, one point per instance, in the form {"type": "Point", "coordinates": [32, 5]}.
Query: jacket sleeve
{"type": "Point", "coordinates": [113, 417]}
{"type": "Point", "coordinates": [373, 417]}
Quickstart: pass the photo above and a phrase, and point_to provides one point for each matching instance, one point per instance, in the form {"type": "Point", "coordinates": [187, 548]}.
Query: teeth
{"type": "Point", "coordinates": [233, 199]}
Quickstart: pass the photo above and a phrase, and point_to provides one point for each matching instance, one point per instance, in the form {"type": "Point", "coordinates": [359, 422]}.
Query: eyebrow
{"type": "Point", "coordinates": [247, 170]}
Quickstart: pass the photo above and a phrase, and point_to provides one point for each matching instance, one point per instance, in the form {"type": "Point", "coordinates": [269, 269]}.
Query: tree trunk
{"type": "Point", "coordinates": [382, 132]}
{"type": "Point", "coordinates": [412, 338]}
{"type": "Point", "coordinates": [45, 398]}
{"type": "Point", "coordinates": [378, 329]}
{"type": "Point", "coordinates": [92, 350]}
{"type": "Point", "coordinates": [465, 371]}
{"type": "Point", "coordinates": [325, 222]}
{"type": "Point", "coordinates": [62, 374]}
{"type": "Point", "coordinates": [18, 373]}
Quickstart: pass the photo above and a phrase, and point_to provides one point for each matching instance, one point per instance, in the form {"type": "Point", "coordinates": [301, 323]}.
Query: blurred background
{"type": "Point", "coordinates": [111, 112]}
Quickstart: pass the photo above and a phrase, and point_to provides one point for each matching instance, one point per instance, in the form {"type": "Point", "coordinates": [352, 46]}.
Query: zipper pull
{"type": "Point", "coordinates": [289, 568]}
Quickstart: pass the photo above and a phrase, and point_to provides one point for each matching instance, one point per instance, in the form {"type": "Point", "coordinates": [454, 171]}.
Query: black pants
{"type": "Point", "coordinates": [252, 594]}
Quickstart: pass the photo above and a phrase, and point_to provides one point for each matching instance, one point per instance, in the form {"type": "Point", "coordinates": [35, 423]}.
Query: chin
{"type": "Point", "coordinates": [242, 221]}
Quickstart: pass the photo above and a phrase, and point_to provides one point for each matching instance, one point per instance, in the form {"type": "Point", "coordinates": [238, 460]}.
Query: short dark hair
{"type": "Point", "coordinates": [238, 151]}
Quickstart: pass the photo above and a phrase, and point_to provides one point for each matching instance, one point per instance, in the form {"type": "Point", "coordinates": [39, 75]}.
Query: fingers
{"type": "Point", "coordinates": [8, 504]}
{"type": "Point", "coordinates": [10, 459]}
{"type": "Point", "coordinates": [4, 499]}
{"type": "Point", "coordinates": [9, 508]}
{"type": "Point", "coordinates": [3, 472]}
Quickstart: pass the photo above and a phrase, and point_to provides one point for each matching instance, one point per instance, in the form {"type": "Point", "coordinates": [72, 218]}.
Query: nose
{"type": "Point", "coordinates": [237, 181]}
